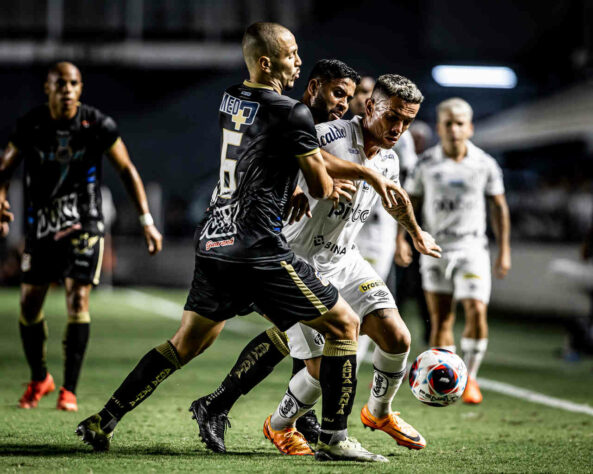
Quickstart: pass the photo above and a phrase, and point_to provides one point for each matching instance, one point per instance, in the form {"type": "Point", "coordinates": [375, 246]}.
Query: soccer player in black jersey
{"type": "Point", "coordinates": [61, 144]}
{"type": "Point", "coordinates": [242, 257]}
{"type": "Point", "coordinates": [330, 88]}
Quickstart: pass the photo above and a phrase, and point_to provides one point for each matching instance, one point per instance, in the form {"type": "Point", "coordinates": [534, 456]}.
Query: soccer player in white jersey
{"type": "Point", "coordinates": [327, 241]}
{"type": "Point", "coordinates": [376, 239]}
{"type": "Point", "coordinates": [452, 180]}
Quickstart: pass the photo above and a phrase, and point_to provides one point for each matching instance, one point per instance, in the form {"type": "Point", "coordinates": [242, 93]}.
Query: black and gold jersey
{"type": "Point", "coordinates": [62, 169]}
{"type": "Point", "coordinates": [262, 134]}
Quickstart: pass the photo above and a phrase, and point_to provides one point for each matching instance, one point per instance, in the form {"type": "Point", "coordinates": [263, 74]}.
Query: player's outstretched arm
{"type": "Point", "coordinates": [389, 191]}
{"type": "Point", "coordinates": [8, 162]}
{"type": "Point", "coordinates": [119, 157]}
{"type": "Point", "coordinates": [319, 182]}
{"type": "Point", "coordinates": [501, 225]}
{"type": "Point", "coordinates": [423, 241]}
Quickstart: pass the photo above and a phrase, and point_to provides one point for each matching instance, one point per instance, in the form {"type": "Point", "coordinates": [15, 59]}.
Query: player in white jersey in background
{"type": "Point", "coordinates": [452, 179]}
{"type": "Point", "coordinates": [327, 241]}
{"type": "Point", "coordinates": [376, 239]}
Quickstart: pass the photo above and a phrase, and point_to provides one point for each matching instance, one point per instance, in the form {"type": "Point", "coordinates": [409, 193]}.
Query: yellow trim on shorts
{"type": "Point", "coordinates": [99, 262]}
{"type": "Point", "coordinates": [339, 347]}
{"type": "Point", "coordinates": [312, 152]}
{"type": "Point", "coordinates": [257, 85]}
{"type": "Point", "coordinates": [304, 288]}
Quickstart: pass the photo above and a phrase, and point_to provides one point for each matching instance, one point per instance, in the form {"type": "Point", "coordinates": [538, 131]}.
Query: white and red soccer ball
{"type": "Point", "coordinates": [438, 377]}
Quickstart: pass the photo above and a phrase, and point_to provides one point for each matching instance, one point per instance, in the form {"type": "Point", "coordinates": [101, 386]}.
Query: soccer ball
{"type": "Point", "coordinates": [438, 377]}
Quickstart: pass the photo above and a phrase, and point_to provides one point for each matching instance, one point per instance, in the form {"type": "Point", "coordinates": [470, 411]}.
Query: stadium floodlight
{"type": "Point", "coordinates": [494, 77]}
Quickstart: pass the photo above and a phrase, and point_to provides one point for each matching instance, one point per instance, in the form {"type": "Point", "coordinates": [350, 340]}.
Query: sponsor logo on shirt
{"type": "Point", "coordinates": [335, 248]}
{"type": "Point", "coordinates": [369, 285]}
{"type": "Point", "coordinates": [334, 133]}
{"type": "Point", "coordinates": [345, 211]}
{"type": "Point", "coordinates": [221, 243]}
{"type": "Point", "coordinates": [221, 222]}
{"type": "Point", "coordinates": [242, 112]}
{"type": "Point", "coordinates": [60, 214]}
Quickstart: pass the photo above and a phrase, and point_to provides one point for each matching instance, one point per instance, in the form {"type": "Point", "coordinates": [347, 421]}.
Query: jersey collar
{"type": "Point", "coordinates": [257, 85]}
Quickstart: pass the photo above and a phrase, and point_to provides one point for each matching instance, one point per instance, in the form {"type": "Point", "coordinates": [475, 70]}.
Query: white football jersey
{"type": "Point", "coordinates": [328, 238]}
{"type": "Point", "coordinates": [454, 208]}
{"type": "Point", "coordinates": [376, 240]}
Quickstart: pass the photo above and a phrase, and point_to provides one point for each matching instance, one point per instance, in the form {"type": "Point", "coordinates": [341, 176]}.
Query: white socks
{"type": "Point", "coordinates": [389, 371]}
{"type": "Point", "coordinates": [473, 353]}
{"type": "Point", "coordinates": [364, 342]}
{"type": "Point", "coordinates": [303, 391]}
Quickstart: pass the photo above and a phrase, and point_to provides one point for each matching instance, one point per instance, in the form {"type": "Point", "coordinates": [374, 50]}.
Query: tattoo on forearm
{"type": "Point", "coordinates": [404, 214]}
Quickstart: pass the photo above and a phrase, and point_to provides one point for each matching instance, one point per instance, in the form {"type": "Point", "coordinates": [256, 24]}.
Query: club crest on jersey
{"type": "Point", "coordinates": [242, 112]}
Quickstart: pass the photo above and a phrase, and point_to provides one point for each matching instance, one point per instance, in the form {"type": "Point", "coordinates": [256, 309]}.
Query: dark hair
{"type": "Point", "coordinates": [328, 69]}
{"type": "Point", "coordinates": [390, 85]}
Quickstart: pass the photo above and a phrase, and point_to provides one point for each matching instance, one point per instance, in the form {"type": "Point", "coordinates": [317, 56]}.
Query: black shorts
{"type": "Point", "coordinates": [286, 292]}
{"type": "Point", "coordinates": [78, 256]}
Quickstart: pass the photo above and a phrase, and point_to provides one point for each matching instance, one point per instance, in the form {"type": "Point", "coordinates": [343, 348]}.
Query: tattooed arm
{"type": "Point", "coordinates": [403, 212]}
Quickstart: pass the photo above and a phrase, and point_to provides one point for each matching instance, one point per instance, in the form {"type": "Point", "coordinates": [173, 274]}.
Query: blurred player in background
{"type": "Point", "coordinates": [449, 183]}
{"type": "Point", "coordinates": [62, 144]}
{"type": "Point", "coordinates": [242, 258]}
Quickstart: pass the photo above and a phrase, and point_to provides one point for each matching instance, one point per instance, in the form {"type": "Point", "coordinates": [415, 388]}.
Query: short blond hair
{"type": "Point", "coordinates": [455, 104]}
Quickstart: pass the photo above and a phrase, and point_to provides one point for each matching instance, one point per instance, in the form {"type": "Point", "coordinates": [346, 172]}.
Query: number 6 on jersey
{"type": "Point", "coordinates": [227, 181]}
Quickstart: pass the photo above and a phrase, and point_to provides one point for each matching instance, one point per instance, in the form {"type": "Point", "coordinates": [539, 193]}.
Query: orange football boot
{"type": "Point", "coordinates": [288, 441]}
{"type": "Point", "coordinates": [67, 400]}
{"type": "Point", "coordinates": [403, 433]}
{"type": "Point", "coordinates": [472, 392]}
{"type": "Point", "coordinates": [35, 390]}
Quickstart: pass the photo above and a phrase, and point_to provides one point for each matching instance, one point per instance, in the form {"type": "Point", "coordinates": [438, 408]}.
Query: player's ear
{"type": "Point", "coordinates": [313, 87]}
{"type": "Point", "coordinates": [471, 133]}
{"type": "Point", "coordinates": [46, 87]}
{"type": "Point", "coordinates": [265, 64]}
{"type": "Point", "coordinates": [369, 106]}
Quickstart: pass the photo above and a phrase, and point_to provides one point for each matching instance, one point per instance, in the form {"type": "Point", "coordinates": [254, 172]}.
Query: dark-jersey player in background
{"type": "Point", "coordinates": [62, 144]}
{"type": "Point", "coordinates": [242, 257]}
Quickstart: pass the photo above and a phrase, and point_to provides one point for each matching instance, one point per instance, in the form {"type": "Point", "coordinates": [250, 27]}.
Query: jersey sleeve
{"type": "Point", "coordinates": [300, 134]}
{"type": "Point", "coordinates": [108, 132]}
{"type": "Point", "coordinates": [414, 185]}
{"type": "Point", "coordinates": [494, 181]}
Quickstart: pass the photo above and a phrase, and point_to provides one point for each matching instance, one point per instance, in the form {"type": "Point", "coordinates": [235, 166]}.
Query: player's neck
{"type": "Point", "coordinates": [263, 80]}
{"type": "Point", "coordinates": [456, 153]}
{"type": "Point", "coordinates": [371, 148]}
{"type": "Point", "coordinates": [62, 114]}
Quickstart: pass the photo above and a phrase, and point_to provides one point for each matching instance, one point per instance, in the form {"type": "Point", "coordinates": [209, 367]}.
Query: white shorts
{"type": "Point", "coordinates": [363, 290]}
{"type": "Point", "coordinates": [463, 273]}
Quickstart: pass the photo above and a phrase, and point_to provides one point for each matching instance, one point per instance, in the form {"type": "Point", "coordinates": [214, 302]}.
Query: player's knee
{"type": "Point", "coordinates": [31, 312]}
{"type": "Point", "coordinates": [394, 337]}
{"type": "Point", "coordinates": [348, 326]}
{"type": "Point", "coordinates": [78, 301]}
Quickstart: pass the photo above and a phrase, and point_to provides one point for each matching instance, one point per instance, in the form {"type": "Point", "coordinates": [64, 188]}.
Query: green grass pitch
{"type": "Point", "coordinates": [504, 434]}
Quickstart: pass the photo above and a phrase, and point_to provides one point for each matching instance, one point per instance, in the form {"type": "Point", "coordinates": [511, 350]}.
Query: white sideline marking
{"type": "Point", "coordinates": [534, 397]}
{"type": "Point", "coordinates": [168, 309]}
